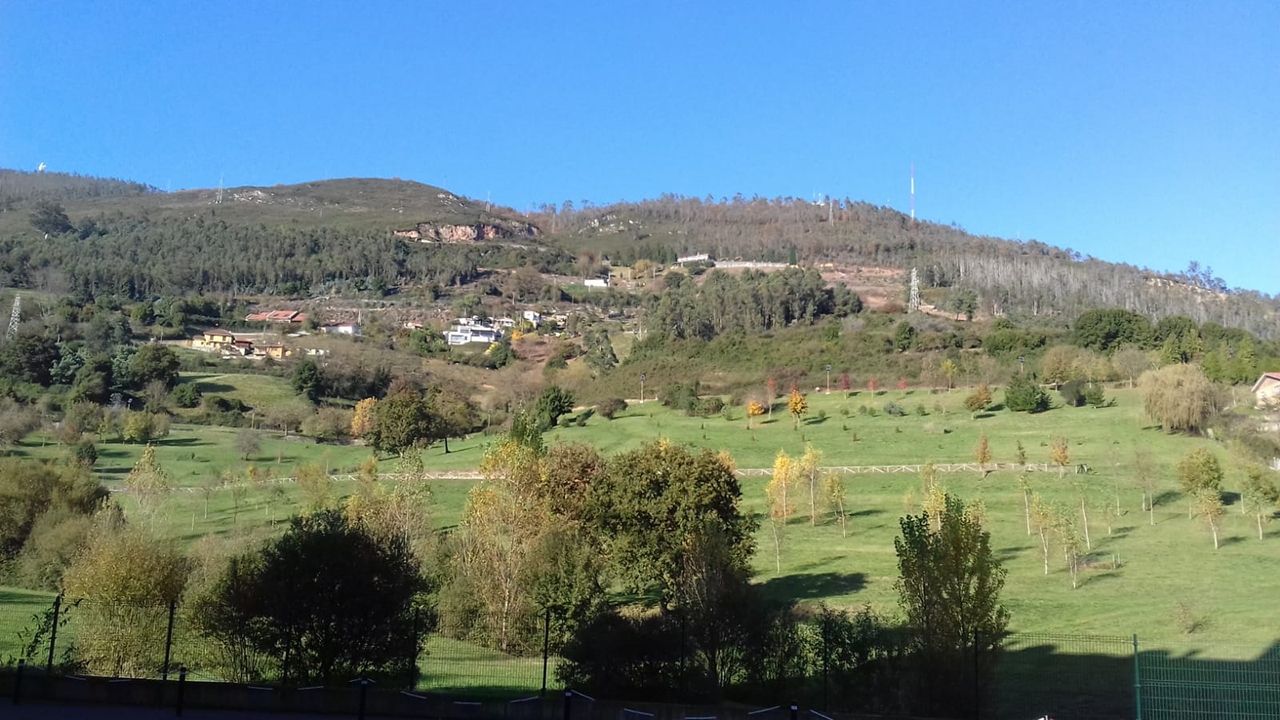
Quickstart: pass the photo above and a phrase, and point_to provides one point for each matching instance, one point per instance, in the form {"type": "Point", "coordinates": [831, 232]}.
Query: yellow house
{"type": "Point", "coordinates": [213, 340]}
{"type": "Point", "coordinates": [275, 352]}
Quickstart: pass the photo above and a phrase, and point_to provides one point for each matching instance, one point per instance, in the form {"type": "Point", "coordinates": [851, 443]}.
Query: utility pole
{"type": "Point", "coordinates": [828, 378]}
{"type": "Point", "coordinates": [641, 387]}
{"type": "Point", "coordinates": [15, 318]}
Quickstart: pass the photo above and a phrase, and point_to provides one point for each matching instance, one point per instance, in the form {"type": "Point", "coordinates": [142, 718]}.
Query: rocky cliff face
{"type": "Point", "coordinates": [469, 233]}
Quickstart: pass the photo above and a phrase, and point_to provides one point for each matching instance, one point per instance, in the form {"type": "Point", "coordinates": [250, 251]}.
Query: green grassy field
{"type": "Point", "coordinates": [1155, 581]}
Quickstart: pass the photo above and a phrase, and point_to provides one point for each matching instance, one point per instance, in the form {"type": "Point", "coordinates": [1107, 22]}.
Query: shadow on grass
{"type": "Point", "coordinates": [180, 442]}
{"type": "Point", "coordinates": [207, 388]}
{"type": "Point", "coordinates": [814, 586]}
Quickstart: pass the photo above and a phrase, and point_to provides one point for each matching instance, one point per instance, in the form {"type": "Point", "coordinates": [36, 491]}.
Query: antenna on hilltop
{"type": "Point", "coordinates": [219, 200]}
{"type": "Point", "coordinates": [913, 193]}
{"type": "Point", "coordinates": [15, 318]}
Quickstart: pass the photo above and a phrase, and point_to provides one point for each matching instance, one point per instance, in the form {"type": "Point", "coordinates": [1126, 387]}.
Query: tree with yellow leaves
{"type": "Point", "coordinates": [755, 409]}
{"type": "Point", "coordinates": [778, 491]}
{"type": "Point", "coordinates": [833, 488]}
{"type": "Point", "coordinates": [1060, 454]}
{"type": "Point", "coordinates": [982, 454]}
{"type": "Point", "coordinates": [798, 405]}
{"type": "Point", "coordinates": [362, 419]}
{"type": "Point", "coordinates": [148, 482]}
{"type": "Point", "coordinates": [809, 470]}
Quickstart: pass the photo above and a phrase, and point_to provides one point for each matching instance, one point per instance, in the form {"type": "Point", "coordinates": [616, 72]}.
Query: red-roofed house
{"type": "Point", "coordinates": [292, 317]}
{"type": "Point", "coordinates": [1267, 390]}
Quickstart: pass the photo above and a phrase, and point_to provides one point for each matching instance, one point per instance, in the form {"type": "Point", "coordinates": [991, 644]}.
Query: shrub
{"type": "Point", "coordinates": [1072, 392]}
{"type": "Point", "coordinates": [186, 395]}
{"type": "Point", "coordinates": [680, 396]}
{"type": "Point", "coordinates": [85, 453]}
{"type": "Point", "coordinates": [1094, 395]}
{"type": "Point", "coordinates": [1024, 395]}
{"type": "Point", "coordinates": [611, 407]}
{"type": "Point", "coordinates": [710, 405]}
{"type": "Point", "coordinates": [584, 416]}
{"type": "Point", "coordinates": [894, 409]}
{"type": "Point", "coordinates": [920, 410]}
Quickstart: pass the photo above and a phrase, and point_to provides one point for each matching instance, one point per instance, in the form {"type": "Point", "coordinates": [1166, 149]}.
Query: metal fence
{"type": "Point", "coordinates": [1064, 677]}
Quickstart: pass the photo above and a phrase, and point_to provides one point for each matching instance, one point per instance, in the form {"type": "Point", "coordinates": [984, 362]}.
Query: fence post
{"type": "Point", "coordinates": [546, 641]}
{"type": "Point", "coordinates": [53, 631]}
{"type": "Point", "coordinates": [168, 641]}
{"type": "Point", "coordinates": [17, 682]}
{"type": "Point", "coordinates": [182, 687]}
{"type": "Point", "coordinates": [568, 700]}
{"type": "Point", "coordinates": [1137, 681]}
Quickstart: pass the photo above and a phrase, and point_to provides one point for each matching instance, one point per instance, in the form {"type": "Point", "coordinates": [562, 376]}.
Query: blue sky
{"type": "Point", "coordinates": [1133, 131]}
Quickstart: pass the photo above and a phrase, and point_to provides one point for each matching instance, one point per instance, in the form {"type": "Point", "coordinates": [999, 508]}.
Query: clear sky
{"type": "Point", "coordinates": [1134, 131]}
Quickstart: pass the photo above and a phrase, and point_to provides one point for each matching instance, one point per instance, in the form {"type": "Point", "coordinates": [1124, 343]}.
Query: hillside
{"type": "Point", "coordinates": [334, 235]}
{"type": "Point", "coordinates": [104, 236]}
{"type": "Point", "coordinates": [1017, 279]}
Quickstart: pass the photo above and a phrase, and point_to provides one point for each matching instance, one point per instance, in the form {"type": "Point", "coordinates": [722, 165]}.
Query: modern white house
{"type": "Point", "coordinates": [599, 283]}
{"type": "Point", "coordinates": [533, 317]}
{"type": "Point", "coordinates": [469, 330]}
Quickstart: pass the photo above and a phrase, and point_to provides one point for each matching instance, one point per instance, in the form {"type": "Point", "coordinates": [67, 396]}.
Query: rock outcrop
{"type": "Point", "coordinates": [468, 233]}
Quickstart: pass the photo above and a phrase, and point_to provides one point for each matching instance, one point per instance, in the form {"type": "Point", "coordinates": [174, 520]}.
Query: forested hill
{"type": "Point", "coordinates": [73, 233]}
{"type": "Point", "coordinates": [68, 233]}
{"type": "Point", "coordinates": [1014, 278]}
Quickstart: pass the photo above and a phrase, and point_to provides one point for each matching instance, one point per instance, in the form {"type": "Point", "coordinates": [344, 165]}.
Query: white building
{"type": "Point", "coordinates": [600, 283]}
{"type": "Point", "coordinates": [470, 330]}
{"type": "Point", "coordinates": [533, 317]}
{"type": "Point", "coordinates": [344, 329]}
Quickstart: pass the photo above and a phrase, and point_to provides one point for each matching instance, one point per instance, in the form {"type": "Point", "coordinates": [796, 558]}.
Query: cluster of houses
{"type": "Point", "coordinates": [224, 343]}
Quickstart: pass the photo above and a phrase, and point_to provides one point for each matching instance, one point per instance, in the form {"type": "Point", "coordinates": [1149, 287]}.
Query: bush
{"type": "Point", "coordinates": [680, 396]}
{"type": "Point", "coordinates": [85, 453]}
{"type": "Point", "coordinates": [1024, 395]}
{"type": "Point", "coordinates": [1072, 392]}
{"type": "Point", "coordinates": [710, 406]}
{"type": "Point", "coordinates": [585, 416]}
{"type": "Point", "coordinates": [186, 395]}
{"type": "Point", "coordinates": [894, 409]}
{"type": "Point", "coordinates": [1094, 395]}
{"type": "Point", "coordinates": [611, 407]}
{"type": "Point", "coordinates": [920, 411]}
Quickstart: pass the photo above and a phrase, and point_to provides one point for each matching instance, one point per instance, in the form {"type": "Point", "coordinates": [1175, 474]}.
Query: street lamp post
{"type": "Point", "coordinates": [641, 387]}
{"type": "Point", "coordinates": [828, 378]}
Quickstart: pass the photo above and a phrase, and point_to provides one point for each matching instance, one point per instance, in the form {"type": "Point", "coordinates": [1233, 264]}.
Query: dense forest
{"type": "Point", "coordinates": [1019, 279]}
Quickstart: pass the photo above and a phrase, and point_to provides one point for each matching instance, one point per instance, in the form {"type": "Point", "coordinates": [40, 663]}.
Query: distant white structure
{"type": "Point", "coordinates": [469, 330]}
{"type": "Point", "coordinates": [596, 283]}
{"type": "Point", "coordinates": [343, 329]}
{"type": "Point", "coordinates": [533, 317]}
{"type": "Point", "coordinates": [913, 303]}
{"type": "Point", "coordinates": [15, 318]}
{"type": "Point", "coordinates": [701, 257]}
{"type": "Point", "coordinates": [41, 167]}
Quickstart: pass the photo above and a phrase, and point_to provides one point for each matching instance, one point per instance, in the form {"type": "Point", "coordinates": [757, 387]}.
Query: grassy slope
{"type": "Point", "coordinates": [1159, 567]}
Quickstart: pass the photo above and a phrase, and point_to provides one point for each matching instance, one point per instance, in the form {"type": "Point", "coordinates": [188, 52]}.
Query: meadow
{"type": "Point", "coordinates": [1164, 582]}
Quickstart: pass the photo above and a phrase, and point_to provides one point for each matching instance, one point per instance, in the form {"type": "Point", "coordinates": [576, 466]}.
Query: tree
{"type": "Point", "coordinates": [1069, 538]}
{"type": "Point", "coordinates": [610, 408]}
{"type": "Point", "coordinates": [1104, 329]}
{"type": "Point", "coordinates": [978, 400]}
{"type": "Point", "coordinates": [364, 417]}
{"type": "Point", "coordinates": [1131, 361]}
{"type": "Point", "coordinates": [1042, 519]}
{"type": "Point", "coordinates": [797, 405]}
{"type": "Point", "coordinates": [247, 443]}
{"type": "Point", "coordinates": [755, 409]}
{"type": "Point", "coordinates": [1024, 484]}
{"type": "Point", "coordinates": [553, 402]}
{"type": "Point", "coordinates": [649, 500]}
{"type": "Point", "coordinates": [154, 363]}
{"type": "Point", "coordinates": [307, 380]}
{"type": "Point", "coordinates": [1207, 505]}
{"type": "Point", "coordinates": [1260, 495]}
{"type": "Point", "coordinates": [187, 395]}
{"type": "Point", "coordinates": [327, 424]}
{"type": "Point", "coordinates": [949, 370]}
{"type": "Point", "coordinates": [778, 492]}
{"type": "Point", "coordinates": [127, 578]}
{"type": "Point", "coordinates": [1199, 472]}
{"type": "Point", "coordinates": [1144, 474]}
{"type": "Point", "coordinates": [403, 420]}
{"type": "Point", "coordinates": [904, 336]}
{"type": "Point", "coordinates": [834, 489]}
{"type": "Point", "coordinates": [949, 588]}
{"type": "Point", "coordinates": [50, 218]}
{"type": "Point", "coordinates": [1060, 454]}
{"type": "Point", "coordinates": [327, 600]}
{"type": "Point", "coordinates": [1179, 397]}
{"type": "Point", "coordinates": [982, 454]}
{"type": "Point", "coordinates": [315, 485]}
{"type": "Point", "coordinates": [148, 482]}
{"type": "Point", "coordinates": [1023, 394]}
